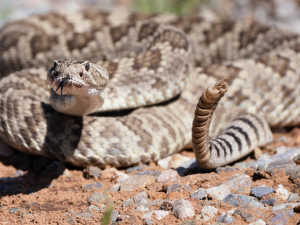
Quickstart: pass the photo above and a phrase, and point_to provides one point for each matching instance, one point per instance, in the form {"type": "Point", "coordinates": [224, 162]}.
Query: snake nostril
{"type": "Point", "coordinates": [81, 74]}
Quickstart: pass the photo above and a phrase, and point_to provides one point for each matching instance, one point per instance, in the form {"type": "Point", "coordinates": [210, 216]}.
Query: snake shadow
{"type": "Point", "coordinates": [37, 172]}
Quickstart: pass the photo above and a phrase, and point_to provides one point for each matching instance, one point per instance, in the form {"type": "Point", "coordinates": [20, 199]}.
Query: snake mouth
{"type": "Point", "coordinates": [61, 85]}
{"type": "Point", "coordinates": [70, 82]}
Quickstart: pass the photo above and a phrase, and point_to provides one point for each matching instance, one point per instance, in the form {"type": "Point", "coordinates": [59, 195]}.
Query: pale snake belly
{"type": "Point", "coordinates": [149, 62]}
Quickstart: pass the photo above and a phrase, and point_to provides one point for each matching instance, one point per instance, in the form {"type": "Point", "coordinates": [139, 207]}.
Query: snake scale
{"type": "Point", "coordinates": [158, 66]}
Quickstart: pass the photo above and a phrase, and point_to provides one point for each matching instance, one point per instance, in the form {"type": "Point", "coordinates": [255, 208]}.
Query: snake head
{"type": "Point", "coordinates": [76, 77]}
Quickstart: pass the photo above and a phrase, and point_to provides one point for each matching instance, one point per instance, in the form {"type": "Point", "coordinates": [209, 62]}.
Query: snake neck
{"type": "Point", "coordinates": [76, 105]}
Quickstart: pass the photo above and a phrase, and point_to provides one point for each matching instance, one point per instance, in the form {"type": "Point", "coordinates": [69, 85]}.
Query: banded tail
{"type": "Point", "coordinates": [243, 133]}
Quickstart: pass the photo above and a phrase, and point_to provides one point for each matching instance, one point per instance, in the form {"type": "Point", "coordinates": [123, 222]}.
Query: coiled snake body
{"type": "Point", "coordinates": [164, 60]}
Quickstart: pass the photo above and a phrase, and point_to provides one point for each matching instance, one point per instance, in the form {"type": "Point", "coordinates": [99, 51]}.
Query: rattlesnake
{"type": "Point", "coordinates": [161, 59]}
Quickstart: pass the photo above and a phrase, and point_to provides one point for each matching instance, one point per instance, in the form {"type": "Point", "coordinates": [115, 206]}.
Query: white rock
{"type": "Point", "coordinates": [219, 192]}
{"type": "Point", "coordinates": [168, 175]}
{"type": "Point", "coordinates": [177, 160]}
{"type": "Point", "coordinates": [183, 209]}
{"type": "Point", "coordinates": [281, 192]}
{"type": "Point", "coordinates": [258, 222]}
{"type": "Point", "coordinates": [158, 214]}
{"type": "Point", "coordinates": [121, 176]}
{"type": "Point", "coordinates": [164, 163]}
{"type": "Point", "coordinates": [207, 213]}
{"type": "Point", "coordinates": [67, 173]}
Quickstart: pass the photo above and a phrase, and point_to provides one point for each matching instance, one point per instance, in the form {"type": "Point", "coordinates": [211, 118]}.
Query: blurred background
{"type": "Point", "coordinates": [281, 13]}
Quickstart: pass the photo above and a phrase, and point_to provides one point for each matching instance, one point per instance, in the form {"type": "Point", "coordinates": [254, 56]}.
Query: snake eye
{"type": "Point", "coordinates": [87, 66]}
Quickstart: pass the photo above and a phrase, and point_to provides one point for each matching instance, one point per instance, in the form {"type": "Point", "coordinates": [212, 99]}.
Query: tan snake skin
{"type": "Point", "coordinates": [148, 62]}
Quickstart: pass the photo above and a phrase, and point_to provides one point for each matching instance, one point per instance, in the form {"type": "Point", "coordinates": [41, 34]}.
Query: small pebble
{"type": "Point", "coordinates": [187, 188]}
{"type": "Point", "coordinates": [225, 219]}
{"type": "Point", "coordinates": [119, 176]}
{"type": "Point", "coordinates": [141, 202]}
{"type": "Point", "coordinates": [294, 173]}
{"type": "Point", "coordinates": [92, 172]}
{"type": "Point", "coordinates": [108, 174]}
{"type": "Point", "coordinates": [249, 213]}
{"type": "Point", "coordinates": [157, 202]}
{"type": "Point", "coordinates": [141, 199]}
{"type": "Point", "coordinates": [239, 184]}
{"type": "Point", "coordinates": [293, 198]}
{"type": "Point", "coordinates": [167, 205]}
{"type": "Point", "coordinates": [115, 215]}
{"type": "Point", "coordinates": [176, 160]}
{"type": "Point", "coordinates": [143, 208]}
{"type": "Point", "coordinates": [164, 163]}
{"type": "Point", "coordinates": [157, 214]}
{"type": "Point", "coordinates": [281, 192]}
{"type": "Point", "coordinates": [93, 207]}
{"type": "Point", "coordinates": [199, 194]}
{"type": "Point", "coordinates": [270, 202]}
{"type": "Point", "coordinates": [296, 159]}
{"type": "Point", "coordinates": [96, 197]}
{"type": "Point", "coordinates": [127, 203]}
{"type": "Point", "coordinates": [168, 176]}
{"type": "Point", "coordinates": [279, 218]}
{"type": "Point", "coordinates": [258, 222]}
{"type": "Point", "coordinates": [173, 188]}
{"type": "Point", "coordinates": [260, 191]}
{"type": "Point", "coordinates": [207, 213]}
{"type": "Point", "coordinates": [236, 200]}
{"type": "Point", "coordinates": [219, 192]}
{"type": "Point", "coordinates": [115, 188]}
{"type": "Point", "coordinates": [19, 173]}
{"type": "Point", "coordinates": [183, 209]}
